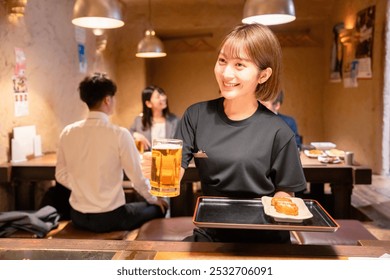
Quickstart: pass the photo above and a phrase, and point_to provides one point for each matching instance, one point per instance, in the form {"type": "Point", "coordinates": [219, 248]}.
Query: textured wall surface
{"type": "Point", "coordinates": [48, 39]}
{"type": "Point", "coordinates": [353, 116]}
{"type": "Point", "coordinates": [386, 102]}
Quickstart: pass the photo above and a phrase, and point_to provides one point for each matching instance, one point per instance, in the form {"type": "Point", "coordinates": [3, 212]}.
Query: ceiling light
{"type": "Point", "coordinates": [150, 46]}
{"type": "Point", "coordinates": [16, 8]}
{"type": "Point", "coordinates": [97, 14]}
{"type": "Point", "coordinates": [269, 12]}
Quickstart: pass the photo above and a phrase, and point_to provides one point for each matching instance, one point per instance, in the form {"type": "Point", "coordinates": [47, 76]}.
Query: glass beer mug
{"type": "Point", "coordinates": [166, 163]}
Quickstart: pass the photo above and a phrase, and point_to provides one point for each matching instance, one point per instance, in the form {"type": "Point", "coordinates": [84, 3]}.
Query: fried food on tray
{"type": "Point", "coordinates": [274, 200]}
{"type": "Point", "coordinates": [285, 206]}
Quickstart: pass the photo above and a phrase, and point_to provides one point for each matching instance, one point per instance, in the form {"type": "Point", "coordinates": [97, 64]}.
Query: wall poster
{"type": "Point", "coordinates": [19, 81]}
{"type": "Point", "coordinates": [365, 21]}
{"type": "Point", "coordinates": [80, 34]}
{"type": "Point", "coordinates": [337, 55]}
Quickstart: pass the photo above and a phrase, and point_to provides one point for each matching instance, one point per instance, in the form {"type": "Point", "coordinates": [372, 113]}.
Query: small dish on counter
{"type": "Point", "coordinates": [328, 159]}
{"type": "Point", "coordinates": [323, 145]}
{"type": "Point", "coordinates": [314, 153]}
{"type": "Point", "coordinates": [335, 153]}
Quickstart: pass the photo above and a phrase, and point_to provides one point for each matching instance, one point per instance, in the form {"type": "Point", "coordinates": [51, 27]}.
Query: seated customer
{"type": "Point", "coordinates": [92, 155]}
{"type": "Point", "coordinates": [156, 121]}
{"type": "Point", "coordinates": [274, 106]}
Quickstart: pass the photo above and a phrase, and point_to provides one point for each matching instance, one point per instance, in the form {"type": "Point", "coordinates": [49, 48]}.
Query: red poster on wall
{"type": "Point", "coordinates": [19, 81]}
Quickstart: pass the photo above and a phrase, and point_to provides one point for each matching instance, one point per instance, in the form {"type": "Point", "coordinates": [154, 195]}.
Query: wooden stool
{"type": "Point", "coordinates": [72, 232]}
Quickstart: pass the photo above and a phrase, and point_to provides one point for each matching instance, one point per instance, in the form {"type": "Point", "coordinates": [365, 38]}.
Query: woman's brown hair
{"type": "Point", "coordinates": [263, 48]}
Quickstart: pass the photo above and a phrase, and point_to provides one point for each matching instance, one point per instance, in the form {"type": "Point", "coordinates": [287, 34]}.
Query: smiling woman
{"type": "Point", "coordinates": [243, 51]}
{"type": "Point", "coordinates": [250, 151]}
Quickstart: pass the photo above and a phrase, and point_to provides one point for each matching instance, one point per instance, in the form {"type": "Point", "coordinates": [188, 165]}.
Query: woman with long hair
{"type": "Point", "coordinates": [156, 121]}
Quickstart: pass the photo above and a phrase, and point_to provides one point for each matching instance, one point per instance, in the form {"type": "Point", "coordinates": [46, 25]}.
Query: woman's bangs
{"type": "Point", "coordinates": [236, 48]}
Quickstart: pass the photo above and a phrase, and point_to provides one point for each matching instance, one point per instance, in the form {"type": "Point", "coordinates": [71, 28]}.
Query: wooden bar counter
{"type": "Point", "coordinates": [152, 250]}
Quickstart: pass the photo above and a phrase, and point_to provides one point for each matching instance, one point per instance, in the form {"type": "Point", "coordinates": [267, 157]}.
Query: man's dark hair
{"type": "Point", "coordinates": [93, 89]}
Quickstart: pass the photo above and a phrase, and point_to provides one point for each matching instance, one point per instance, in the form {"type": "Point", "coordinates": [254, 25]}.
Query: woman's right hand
{"type": "Point", "coordinates": [139, 137]}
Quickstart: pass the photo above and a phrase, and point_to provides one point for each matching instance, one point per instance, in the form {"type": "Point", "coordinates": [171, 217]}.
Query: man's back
{"type": "Point", "coordinates": [92, 152]}
{"type": "Point", "coordinates": [91, 158]}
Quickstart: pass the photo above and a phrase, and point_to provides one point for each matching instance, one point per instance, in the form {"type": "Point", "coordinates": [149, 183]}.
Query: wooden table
{"type": "Point", "coordinates": [341, 178]}
{"type": "Point", "coordinates": [24, 175]}
{"type": "Point", "coordinates": [160, 250]}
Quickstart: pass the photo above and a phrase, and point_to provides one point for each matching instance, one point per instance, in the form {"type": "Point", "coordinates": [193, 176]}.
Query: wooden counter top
{"type": "Point", "coordinates": [127, 250]}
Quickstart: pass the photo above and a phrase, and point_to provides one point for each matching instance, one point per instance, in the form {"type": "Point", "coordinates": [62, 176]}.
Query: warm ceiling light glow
{"type": "Point", "coordinates": [150, 46]}
{"type": "Point", "coordinates": [16, 8]}
{"type": "Point", "coordinates": [268, 12]}
{"type": "Point", "coordinates": [97, 14]}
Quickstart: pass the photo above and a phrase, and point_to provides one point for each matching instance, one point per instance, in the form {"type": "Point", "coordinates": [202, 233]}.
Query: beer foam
{"type": "Point", "coordinates": [162, 146]}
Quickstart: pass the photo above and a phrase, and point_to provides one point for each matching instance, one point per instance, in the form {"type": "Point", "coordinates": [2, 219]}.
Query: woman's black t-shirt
{"type": "Point", "coordinates": [249, 158]}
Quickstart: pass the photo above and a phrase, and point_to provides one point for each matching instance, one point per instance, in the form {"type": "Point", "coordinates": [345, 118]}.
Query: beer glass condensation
{"type": "Point", "coordinates": [166, 163]}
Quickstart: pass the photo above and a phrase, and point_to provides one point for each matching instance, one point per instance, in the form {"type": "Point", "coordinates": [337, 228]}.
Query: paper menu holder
{"type": "Point", "coordinates": [18, 153]}
{"type": "Point", "coordinates": [37, 145]}
{"type": "Point", "coordinates": [25, 143]}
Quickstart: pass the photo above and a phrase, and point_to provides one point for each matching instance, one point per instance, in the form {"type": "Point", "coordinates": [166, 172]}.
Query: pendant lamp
{"type": "Point", "coordinates": [97, 14]}
{"type": "Point", "coordinates": [150, 46]}
{"type": "Point", "coordinates": [16, 8]}
{"type": "Point", "coordinates": [268, 12]}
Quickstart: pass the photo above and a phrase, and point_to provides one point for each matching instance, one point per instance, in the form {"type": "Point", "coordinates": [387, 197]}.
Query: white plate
{"type": "Point", "coordinates": [323, 145]}
{"type": "Point", "coordinates": [338, 153]}
{"type": "Point", "coordinates": [308, 154]}
{"type": "Point", "coordinates": [326, 159]}
{"type": "Point", "coordinates": [303, 211]}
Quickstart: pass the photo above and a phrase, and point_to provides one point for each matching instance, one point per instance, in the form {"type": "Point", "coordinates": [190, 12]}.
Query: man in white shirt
{"type": "Point", "coordinates": [91, 157]}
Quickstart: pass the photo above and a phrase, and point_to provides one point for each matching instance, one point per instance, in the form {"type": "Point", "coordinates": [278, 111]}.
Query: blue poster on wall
{"type": "Point", "coordinates": [82, 58]}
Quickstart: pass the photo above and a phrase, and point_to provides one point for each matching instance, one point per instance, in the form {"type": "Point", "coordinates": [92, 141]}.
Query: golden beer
{"type": "Point", "coordinates": [166, 163]}
{"type": "Point", "coordinates": [140, 146]}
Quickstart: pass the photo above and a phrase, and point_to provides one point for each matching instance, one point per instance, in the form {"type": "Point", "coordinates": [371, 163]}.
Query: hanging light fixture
{"type": "Point", "coordinates": [15, 8]}
{"type": "Point", "coordinates": [97, 14]}
{"type": "Point", "coordinates": [269, 12]}
{"type": "Point", "coordinates": [150, 46]}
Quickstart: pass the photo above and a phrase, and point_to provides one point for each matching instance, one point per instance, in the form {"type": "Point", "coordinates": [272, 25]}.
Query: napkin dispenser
{"type": "Point", "coordinates": [25, 142]}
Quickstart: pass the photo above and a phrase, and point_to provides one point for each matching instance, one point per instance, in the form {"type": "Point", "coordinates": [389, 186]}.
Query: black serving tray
{"type": "Point", "coordinates": [222, 212]}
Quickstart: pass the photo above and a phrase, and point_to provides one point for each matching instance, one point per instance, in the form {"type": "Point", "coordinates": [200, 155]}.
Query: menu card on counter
{"type": "Point", "coordinates": [25, 142]}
